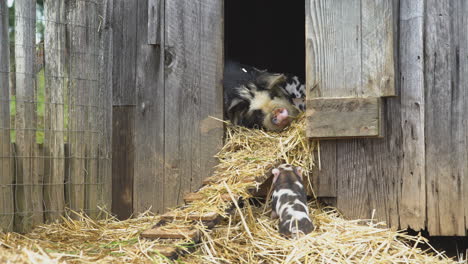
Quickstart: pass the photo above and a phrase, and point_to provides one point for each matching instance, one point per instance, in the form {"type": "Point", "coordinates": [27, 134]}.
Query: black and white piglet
{"type": "Point", "coordinates": [289, 201]}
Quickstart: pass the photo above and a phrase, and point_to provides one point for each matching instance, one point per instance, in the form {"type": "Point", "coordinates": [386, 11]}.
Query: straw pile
{"type": "Point", "coordinates": [247, 236]}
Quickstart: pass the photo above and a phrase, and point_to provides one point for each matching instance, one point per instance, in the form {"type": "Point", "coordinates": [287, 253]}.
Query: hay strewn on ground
{"type": "Point", "coordinates": [248, 236]}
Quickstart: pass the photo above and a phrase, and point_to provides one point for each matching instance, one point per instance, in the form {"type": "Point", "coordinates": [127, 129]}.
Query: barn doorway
{"type": "Point", "coordinates": [266, 34]}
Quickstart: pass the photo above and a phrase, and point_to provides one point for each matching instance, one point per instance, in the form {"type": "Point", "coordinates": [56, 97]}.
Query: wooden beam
{"type": "Point", "coordinates": [412, 205]}
{"type": "Point", "coordinates": [123, 158]}
{"type": "Point", "coordinates": [446, 111]}
{"type": "Point", "coordinates": [164, 233]}
{"type": "Point", "coordinates": [210, 216]}
{"type": "Point", "coordinates": [6, 161]}
{"type": "Point", "coordinates": [25, 120]}
{"type": "Point", "coordinates": [55, 89]}
{"type": "Point", "coordinates": [149, 185]}
{"type": "Point", "coordinates": [344, 117]}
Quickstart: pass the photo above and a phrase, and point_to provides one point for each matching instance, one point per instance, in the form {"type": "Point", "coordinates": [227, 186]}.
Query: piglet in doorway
{"type": "Point", "coordinates": [289, 201]}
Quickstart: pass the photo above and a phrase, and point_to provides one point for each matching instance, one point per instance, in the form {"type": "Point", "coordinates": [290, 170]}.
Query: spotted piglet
{"type": "Point", "coordinates": [289, 201]}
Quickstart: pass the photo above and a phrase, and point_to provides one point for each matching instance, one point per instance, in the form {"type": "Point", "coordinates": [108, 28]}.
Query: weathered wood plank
{"type": "Point", "coordinates": [37, 187]}
{"type": "Point", "coordinates": [324, 177]}
{"type": "Point", "coordinates": [149, 185]}
{"type": "Point", "coordinates": [194, 197]}
{"type": "Point", "coordinates": [124, 41]}
{"type": "Point", "coordinates": [6, 160]}
{"type": "Point", "coordinates": [94, 106]}
{"type": "Point", "coordinates": [123, 158]}
{"type": "Point", "coordinates": [154, 20]}
{"type": "Point", "coordinates": [377, 48]}
{"type": "Point", "coordinates": [445, 118]}
{"type": "Point", "coordinates": [105, 115]}
{"type": "Point", "coordinates": [412, 205]}
{"type": "Point", "coordinates": [333, 57]}
{"type": "Point", "coordinates": [25, 121]}
{"type": "Point", "coordinates": [54, 123]}
{"type": "Point", "coordinates": [164, 233]}
{"type": "Point", "coordinates": [210, 216]}
{"type": "Point", "coordinates": [211, 94]}
{"type": "Point", "coordinates": [343, 117]}
{"type": "Point", "coordinates": [463, 75]}
{"type": "Point", "coordinates": [79, 100]}
{"type": "Point", "coordinates": [193, 91]}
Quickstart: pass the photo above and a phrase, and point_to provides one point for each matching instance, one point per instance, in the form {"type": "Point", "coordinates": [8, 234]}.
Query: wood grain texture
{"type": "Point", "coordinates": [164, 233]}
{"type": "Point", "coordinates": [343, 117]}
{"type": "Point", "coordinates": [324, 177]}
{"type": "Point", "coordinates": [124, 42]}
{"type": "Point", "coordinates": [79, 86]}
{"type": "Point", "coordinates": [377, 48]}
{"type": "Point", "coordinates": [463, 75]}
{"type": "Point", "coordinates": [154, 20]}
{"type": "Point", "coordinates": [54, 122]}
{"type": "Point", "coordinates": [105, 114]}
{"type": "Point", "coordinates": [6, 160]}
{"type": "Point", "coordinates": [149, 185]}
{"type": "Point", "coordinates": [211, 94]}
{"type": "Point", "coordinates": [123, 158]}
{"type": "Point", "coordinates": [193, 34]}
{"type": "Point", "coordinates": [445, 117]}
{"type": "Point", "coordinates": [412, 207]}
{"type": "Point", "coordinates": [25, 120]}
{"type": "Point", "coordinates": [94, 105]}
{"type": "Point", "coordinates": [363, 173]}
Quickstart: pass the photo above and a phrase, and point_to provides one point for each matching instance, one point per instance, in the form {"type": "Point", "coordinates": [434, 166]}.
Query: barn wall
{"type": "Point", "coordinates": [417, 175]}
{"type": "Point", "coordinates": [167, 83]}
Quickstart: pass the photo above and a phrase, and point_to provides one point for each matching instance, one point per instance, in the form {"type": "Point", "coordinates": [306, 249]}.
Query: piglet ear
{"type": "Point", "coordinates": [299, 171]}
{"type": "Point", "coordinates": [276, 173]}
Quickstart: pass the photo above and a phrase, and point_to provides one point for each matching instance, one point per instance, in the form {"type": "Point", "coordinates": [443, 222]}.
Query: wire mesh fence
{"type": "Point", "coordinates": [54, 111]}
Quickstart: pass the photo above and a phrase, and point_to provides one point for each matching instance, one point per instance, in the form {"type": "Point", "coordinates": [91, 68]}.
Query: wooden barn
{"type": "Point", "coordinates": [387, 98]}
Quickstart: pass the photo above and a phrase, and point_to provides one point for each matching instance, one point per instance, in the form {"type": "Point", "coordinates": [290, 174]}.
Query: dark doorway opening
{"type": "Point", "coordinates": [266, 34]}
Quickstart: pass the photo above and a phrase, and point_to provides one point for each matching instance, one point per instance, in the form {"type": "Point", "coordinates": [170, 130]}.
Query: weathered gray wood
{"type": "Point", "coordinates": [211, 94]}
{"type": "Point", "coordinates": [6, 160]}
{"type": "Point", "coordinates": [377, 48]}
{"type": "Point", "coordinates": [324, 178]}
{"type": "Point", "coordinates": [364, 171]}
{"type": "Point", "coordinates": [149, 185]}
{"type": "Point", "coordinates": [105, 115]}
{"type": "Point", "coordinates": [343, 117]}
{"type": "Point", "coordinates": [445, 117]}
{"type": "Point", "coordinates": [79, 87]}
{"type": "Point", "coordinates": [37, 188]}
{"type": "Point", "coordinates": [25, 121]}
{"type": "Point", "coordinates": [463, 75]}
{"type": "Point", "coordinates": [193, 36]}
{"type": "Point", "coordinates": [55, 73]}
{"type": "Point", "coordinates": [123, 158]}
{"type": "Point", "coordinates": [95, 104]}
{"type": "Point", "coordinates": [124, 41]}
{"type": "Point", "coordinates": [412, 207]}
{"type": "Point", "coordinates": [154, 20]}
{"type": "Point", "coordinates": [333, 57]}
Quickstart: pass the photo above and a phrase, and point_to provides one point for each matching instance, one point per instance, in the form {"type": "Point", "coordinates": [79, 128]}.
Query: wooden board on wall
{"type": "Point", "coordinates": [412, 202]}
{"type": "Point", "coordinates": [344, 117]}
{"type": "Point", "coordinates": [6, 160]}
{"type": "Point", "coordinates": [349, 53]}
{"type": "Point", "coordinates": [25, 119]}
{"type": "Point", "coordinates": [124, 45]}
{"type": "Point", "coordinates": [149, 185]}
{"type": "Point", "coordinates": [446, 113]}
{"type": "Point", "coordinates": [193, 39]}
{"type": "Point", "coordinates": [364, 171]}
